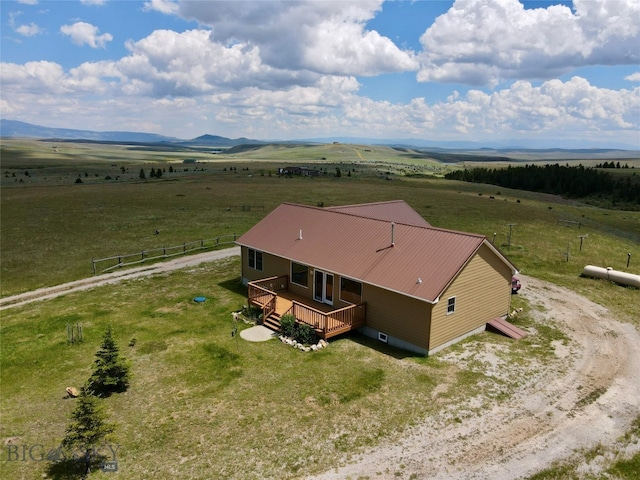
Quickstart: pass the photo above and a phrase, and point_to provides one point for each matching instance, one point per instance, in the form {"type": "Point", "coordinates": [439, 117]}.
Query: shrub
{"type": "Point", "coordinates": [305, 334]}
{"type": "Point", "coordinates": [288, 325]}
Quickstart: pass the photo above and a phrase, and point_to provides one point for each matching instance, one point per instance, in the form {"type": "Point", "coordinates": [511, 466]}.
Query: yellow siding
{"type": "Point", "coordinates": [271, 267]}
{"type": "Point", "coordinates": [397, 315]}
{"type": "Point", "coordinates": [482, 291]}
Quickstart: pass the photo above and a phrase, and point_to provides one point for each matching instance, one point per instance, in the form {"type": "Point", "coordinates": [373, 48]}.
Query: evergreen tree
{"type": "Point", "coordinates": [111, 372]}
{"type": "Point", "coordinates": [158, 173]}
{"type": "Point", "coordinates": [88, 428]}
{"type": "Point", "coordinates": [152, 174]}
{"type": "Point", "coordinates": [142, 175]}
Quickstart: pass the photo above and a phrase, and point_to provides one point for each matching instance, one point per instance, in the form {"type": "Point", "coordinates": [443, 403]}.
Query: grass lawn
{"type": "Point", "coordinates": [204, 404]}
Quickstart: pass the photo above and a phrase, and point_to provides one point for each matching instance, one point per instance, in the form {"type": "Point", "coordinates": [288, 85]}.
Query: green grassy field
{"type": "Point", "coordinates": [212, 403]}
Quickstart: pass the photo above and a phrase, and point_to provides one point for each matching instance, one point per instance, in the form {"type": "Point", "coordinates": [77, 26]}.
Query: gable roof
{"type": "Point", "coordinates": [421, 263]}
{"type": "Point", "coordinates": [392, 211]}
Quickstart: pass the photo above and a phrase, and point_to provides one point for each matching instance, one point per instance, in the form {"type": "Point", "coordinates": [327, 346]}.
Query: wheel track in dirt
{"type": "Point", "coordinates": [115, 277]}
{"type": "Point", "coordinates": [590, 396]}
{"type": "Point", "coordinates": [591, 399]}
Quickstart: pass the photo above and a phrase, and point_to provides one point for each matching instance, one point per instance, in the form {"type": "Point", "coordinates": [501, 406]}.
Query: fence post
{"type": "Point", "coordinates": [142, 255]}
{"type": "Point", "coordinates": [184, 247]}
{"type": "Point", "coordinates": [93, 262]}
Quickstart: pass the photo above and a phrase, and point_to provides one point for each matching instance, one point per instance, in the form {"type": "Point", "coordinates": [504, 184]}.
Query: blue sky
{"type": "Point", "coordinates": [549, 73]}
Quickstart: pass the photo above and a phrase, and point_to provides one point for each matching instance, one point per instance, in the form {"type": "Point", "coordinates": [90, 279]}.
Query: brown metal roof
{"type": "Point", "coordinates": [394, 211]}
{"type": "Point", "coordinates": [421, 263]}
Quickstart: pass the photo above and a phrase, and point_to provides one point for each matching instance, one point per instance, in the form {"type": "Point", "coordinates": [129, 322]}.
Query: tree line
{"type": "Point", "coordinates": [576, 182]}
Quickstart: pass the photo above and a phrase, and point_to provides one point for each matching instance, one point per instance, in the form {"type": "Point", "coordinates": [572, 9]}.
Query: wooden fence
{"type": "Point", "coordinates": [569, 223]}
{"type": "Point", "coordinates": [124, 260]}
{"type": "Point", "coordinates": [245, 208]}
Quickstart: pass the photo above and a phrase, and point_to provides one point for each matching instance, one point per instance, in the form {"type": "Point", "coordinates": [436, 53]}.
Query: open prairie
{"type": "Point", "coordinates": [218, 407]}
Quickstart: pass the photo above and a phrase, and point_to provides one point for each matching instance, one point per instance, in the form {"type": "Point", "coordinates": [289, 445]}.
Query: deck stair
{"type": "Point", "coordinates": [273, 322]}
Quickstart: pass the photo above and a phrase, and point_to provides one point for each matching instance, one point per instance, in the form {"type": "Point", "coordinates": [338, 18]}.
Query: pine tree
{"type": "Point", "coordinates": [88, 429]}
{"type": "Point", "coordinates": [142, 175]}
{"type": "Point", "coordinates": [111, 372]}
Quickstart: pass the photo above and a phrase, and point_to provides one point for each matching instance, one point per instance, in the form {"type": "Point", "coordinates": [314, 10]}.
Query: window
{"type": "Point", "coordinates": [451, 305]}
{"type": "Point", "coordinates": [299, 274]}
{"type": "Point", "coordinates": [350, 290]}
{"type": "Point", "coordinates": [255, 259]}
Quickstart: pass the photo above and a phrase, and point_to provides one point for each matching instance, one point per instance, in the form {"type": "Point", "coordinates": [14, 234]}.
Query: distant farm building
{"type": "Point", "coordinates": [299, 171]}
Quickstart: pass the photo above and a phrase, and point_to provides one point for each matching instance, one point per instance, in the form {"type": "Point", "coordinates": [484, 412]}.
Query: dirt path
{"type": "Point", "coordinates": [590, 395]}
{"type": "Point", "coordinates": [115, 277]}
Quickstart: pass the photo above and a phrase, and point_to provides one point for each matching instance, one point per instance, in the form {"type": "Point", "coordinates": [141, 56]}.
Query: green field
{"type": "Point", "coordinates": [211, 403]}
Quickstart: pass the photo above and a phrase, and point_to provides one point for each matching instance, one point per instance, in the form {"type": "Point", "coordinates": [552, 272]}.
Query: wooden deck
{"type": "Point", "coordinates": [275, 300]}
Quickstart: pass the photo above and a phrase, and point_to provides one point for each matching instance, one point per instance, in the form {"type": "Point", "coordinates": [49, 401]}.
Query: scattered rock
{"type": "Point", "coordinates": [72, 392]}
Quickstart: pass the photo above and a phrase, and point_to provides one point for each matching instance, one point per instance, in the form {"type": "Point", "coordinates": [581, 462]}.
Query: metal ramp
{"type": "Point", "coordinates": [510, 330]}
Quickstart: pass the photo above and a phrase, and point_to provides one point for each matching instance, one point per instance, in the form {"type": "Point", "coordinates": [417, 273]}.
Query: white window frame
{"type": "Point", "coordinates": [255, 262]}
{"type": "Point", "coordinates": [449, 305]}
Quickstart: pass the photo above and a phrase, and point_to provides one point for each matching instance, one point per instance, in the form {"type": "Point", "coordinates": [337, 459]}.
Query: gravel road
{"type": "Point", "coordinates": [115, 277]}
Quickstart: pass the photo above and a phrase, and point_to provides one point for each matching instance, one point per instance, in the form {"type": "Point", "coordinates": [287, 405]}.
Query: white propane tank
{"type": "Point", "coordinates": [623, 278]}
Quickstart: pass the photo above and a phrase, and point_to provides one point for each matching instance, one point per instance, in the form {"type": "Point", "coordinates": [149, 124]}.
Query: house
{"type": "Point", "coordinates": [300, 171]}
{"type": "Point", "coordinates": [379, 268]}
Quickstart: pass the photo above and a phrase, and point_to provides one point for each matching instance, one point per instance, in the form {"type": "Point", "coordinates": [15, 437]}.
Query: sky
{"type": "Point", "coordinates": [551, 73]}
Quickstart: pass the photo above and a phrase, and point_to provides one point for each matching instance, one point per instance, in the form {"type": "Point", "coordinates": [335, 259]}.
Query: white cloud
{"type": "Point", "coordinates": [28, 30]}
{"type": "Point", "coordinates": [634, 77]}
{"type": "Point", "coordinates": [322, 37]}
{"type": "Point", "coordinates": [167, 7]}
{"type": "Point", "coordinates": [189, 63]}
{"type": "Point", "coordinates": [28, 2]}
{"type": "Point", "coordinates": [482, 42]}
{"type": "Point", "coordinates": [93, 2]}
{"type": "Point", "coordinates": [82, 33]}
{"type": "Point", "coordinates": [152, 87]}
{"type": "Point", "coordinates": [25, 30]}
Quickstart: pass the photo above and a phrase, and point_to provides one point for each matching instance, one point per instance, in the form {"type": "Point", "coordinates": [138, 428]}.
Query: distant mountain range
{"type": "Point", "coordinates": [16, 129]}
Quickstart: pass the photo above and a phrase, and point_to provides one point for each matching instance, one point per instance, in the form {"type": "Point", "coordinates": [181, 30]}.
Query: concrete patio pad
{"type": "Point", "coordinates": [259, 333]}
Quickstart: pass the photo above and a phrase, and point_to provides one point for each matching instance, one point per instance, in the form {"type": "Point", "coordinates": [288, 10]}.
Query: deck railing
{"type": "Point", "coordinates": [262, 293]}
{"type": "Point", "coordinates": [329, 323]}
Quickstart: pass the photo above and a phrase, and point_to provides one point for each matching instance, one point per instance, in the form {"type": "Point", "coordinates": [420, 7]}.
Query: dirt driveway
{"type": "Point", "coordinates": [115, 277]}
{"type": "Point", "coordinates": [589, 395]}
